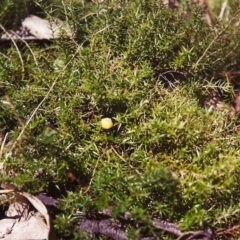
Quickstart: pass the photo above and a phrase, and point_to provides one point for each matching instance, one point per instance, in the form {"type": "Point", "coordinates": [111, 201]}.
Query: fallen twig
{"type": "Point", "coordinates": [228, 232]}
{"type": "Point", "coordinates": [104, 227]}
{"type": "Point", "coordinates": [110, 228]}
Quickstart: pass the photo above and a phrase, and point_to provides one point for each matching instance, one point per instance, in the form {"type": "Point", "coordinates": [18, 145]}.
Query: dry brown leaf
{"type": "Point", "coordinates": [40, 207]}
{"type": "Point", "coordinates": [19, 208]}
{"type": "Point", "coordinates": [33, 228]}
{"type": "Point", "coordinates": [6, 226]}
{"type": "Point", "coordinates": [26, 224]}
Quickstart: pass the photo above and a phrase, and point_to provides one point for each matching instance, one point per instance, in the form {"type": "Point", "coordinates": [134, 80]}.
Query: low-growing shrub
{"type": "Point", "coordinates": [143, 65]}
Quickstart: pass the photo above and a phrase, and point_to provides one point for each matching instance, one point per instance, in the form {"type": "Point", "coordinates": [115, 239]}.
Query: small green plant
{"type": "Point", "coordinates": [141, 64]}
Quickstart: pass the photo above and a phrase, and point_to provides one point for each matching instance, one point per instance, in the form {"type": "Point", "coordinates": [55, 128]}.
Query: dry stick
{"type": "Point", "coordinates": [224, 6]}
{"type": "Point", "coordinates": [94, 171]}
{"type": "Point", "coordinates": [227, 215]}
{"type": "Point", "coordinates": [228, 231]}
{"type": "Point", "coordinates": [4, 56]}
{"type": "Point", "coordinates": [104, 227]}
{"type": "Point", "coordinates": [2, 146]}
{"type": "Point", "coordinates": [157, 223]}
{"type": "Point", "coordinates": [167, 227]}
{"type": "Point", "coordinates": [213, 41]}
{"type": "Point", "coordinates": [44, 99]}
{"type": "Point", "coordinates": [108, 228]}
{"type": "Point", "coordinates": [20, 121]}
{"type": "Point", "coordinates": [22, 39]}
{"type": "Point", "coordinates": [14, 43]}
{"type": "Point", "coordinates": [35, 60]}
{"type": "Point", "coordinates": [204, 6]}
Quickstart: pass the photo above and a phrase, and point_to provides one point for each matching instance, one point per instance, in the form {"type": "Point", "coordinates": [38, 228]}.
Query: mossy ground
{"type": "Point", "coordinates": [168, 156]}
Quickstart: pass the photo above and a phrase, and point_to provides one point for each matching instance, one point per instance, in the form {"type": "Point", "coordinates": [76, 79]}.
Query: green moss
{"type": "Point", "coordinates": [147, 68]}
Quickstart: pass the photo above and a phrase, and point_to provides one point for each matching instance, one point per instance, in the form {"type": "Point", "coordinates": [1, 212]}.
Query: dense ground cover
{"type": "Point", "coordinates": [168, 155]}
